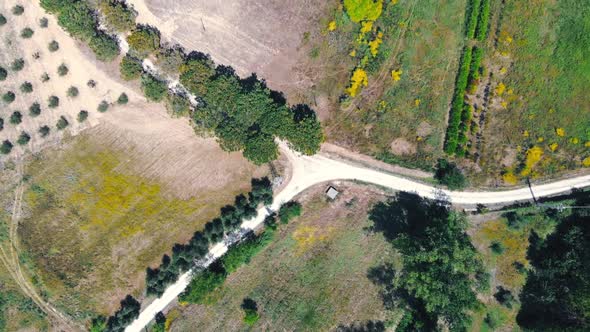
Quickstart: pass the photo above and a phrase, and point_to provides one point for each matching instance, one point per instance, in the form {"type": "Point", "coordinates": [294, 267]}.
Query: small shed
{"type": "Point", "coordinates": [331, 192]}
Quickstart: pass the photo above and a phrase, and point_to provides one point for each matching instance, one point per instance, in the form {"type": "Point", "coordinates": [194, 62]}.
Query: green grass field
{"type": "Point", "coordinates": [312, 277]}
{"type": "Point", "coordinates": [544, 53]}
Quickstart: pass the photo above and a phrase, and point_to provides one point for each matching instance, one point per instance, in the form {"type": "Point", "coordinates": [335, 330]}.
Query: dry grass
{"type": "Point", "coordinates": [311, 278]}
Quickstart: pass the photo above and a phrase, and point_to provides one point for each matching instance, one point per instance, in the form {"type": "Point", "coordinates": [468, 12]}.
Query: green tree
{"type": "Point", "coordinates": [43, 22]}
{"type": "Point", "coordinates": [260, 148]}
{"type": "Point", "coordinates": [2, 20]}
{"type": "Point", "coordinates": [16, 118]}
{"type": "Point", "coordinates": [153, 88]}
{"type": "Point", "coordinates": [250, 308]}
{"type": "Point", "coordinates": [73, 92]}
{"type": "Point", "coordinates": [177, 105]}
{"type": "Point", "coordinates": [3, 74]}
{"type": "Point", "coordinates": [18, 10]}
{"type": "Point", "coordinates": [44, 131]}
{"type": "Point", "coordinates": [144, 40]}
{"type": "Point", "coordinates": [34, 109]}
{"type": "Point", "coordinates": [53, 102]}
{"type": "Point", "coordinates": [118, 15]}
{"type": "Point", "coordinates": [123, 99]}
{"type": "Point", "coordinates": [196, 74]}
{"type": "Point", "coordinates": [98, 324]}
{"type": "Point", "coordinates": [130, 68]}
{"type": "Point", "coordinates": [26, 87]}
{"type": "Point", "coordinates": [8, 97]}
{"type": "Point", "coordinates": [63, 70]}
{"type": "Point", "coordinates": [6, 147]}
{"type": "Point", "coordinates": [53, 46]}
{"type": "Point", "coordinates": [18, 64]}
{"type": "Point", "coordinates": [78, 19]}
{"type": "Point", "coordinates": [289, 211]}
{"type": "Point", "coordinates": [23, 138]}
{"type": "Point", "coordinates": [62, 123]}
{"type": "Point", "coordinates": [82, 116]}
{"type": "Point", "coordinates": [103, 106]}
{"type": "Point", "coordinates": [497, 248]}
{"type": "Point", "coordinates": [104, 46]}
{"type": "Point", "coordinates": [449, 174]}
{"type": "Point", "coordinates": [27, 33]}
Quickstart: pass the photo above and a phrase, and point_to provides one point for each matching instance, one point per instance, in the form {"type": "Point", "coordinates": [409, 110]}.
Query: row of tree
{"type": "Point", "coordinates": [230, 219]}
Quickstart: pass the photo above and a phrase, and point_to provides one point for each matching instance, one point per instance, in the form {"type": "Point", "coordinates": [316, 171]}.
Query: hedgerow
{"type": "Point", "coordinates": [144, 40]}
{"type": "Point", "coordinates": [458, 101]}
{"type": "Point", "coordinates": [118, 15]}
{"type": "Point", "coordinates": [472, 18]}
{"type": "Point", "coordinates": [483, 21]}
{"type": "Point", "coordinates": [130, 68]}
{"type": "Point", "coordinates": [153, 88]}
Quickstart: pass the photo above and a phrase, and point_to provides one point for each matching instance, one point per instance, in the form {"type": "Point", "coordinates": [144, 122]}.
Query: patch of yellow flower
{"type": "Point", "coordinates": [357, 81]}
{"type": "Point", "coordinates": [587, 144]}
{"type": "Point", "coordinates": [332, 26]}
{"type": "Point", "coordinates": [532, 116]}
{"type": "Point", "coordinates": [586, 162]}
{"type": "Point", "coordinates": [394, 2]}
{"type": "Point", "coordinates": [504, 104]}
{"type": "Point", "coordinates": [504, 53]}
{"type": "Point", "coordinates": [417, 102]}
{"type": "Point", "coordinates": [575, 140]}
{"type": "Point", "coordinates": [419, 138]}
{"type": "Point", "coordinates": [553, 147]}
{"type": "Point", "coordinates": [374, 45]}
{"type": "Point", "coordinates": [308, 236]}
{"type": "Point", "coordinates": [503, 70]}
{"type": "Point", "coordinates": [525, 133]}
{"type": "Point", "coordinates": [366, 26]}
{"type": "Point", "coordinates": [500, 88]}
{"type": "Point", "coordinates": [508, 40]}
{"type": "Point", "coordinates": [560, 132]}
{"type": "Point", "coordinates": [510, 178]}
{"type": "Point", "coordinates": [533, 156]}
{"type": "Point", "coordinates": [401, 24]}
{"type": "Point", "coordinates": [540, 139]}
{"type": "Point", "coordinates": [551, 111]}
{"type": "Point", "coordinates": [510, 92]}
{"type": "Point", "coordinates": [396, 75]}
{"type": "Point", "coordinates": [352, 53]}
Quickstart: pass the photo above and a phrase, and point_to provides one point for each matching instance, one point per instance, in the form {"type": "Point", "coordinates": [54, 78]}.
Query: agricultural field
{"type": "Point", "coordinates": [312, 276]}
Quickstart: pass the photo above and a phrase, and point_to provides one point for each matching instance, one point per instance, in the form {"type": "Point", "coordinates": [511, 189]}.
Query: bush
{"type": "Point", "coordinates": [63, 70]}
{"type": "Point", "coordinates": [8, 97]}
{"type": "Point", "coordinates": [16, 118]}
{"type": "Point", "coordinates": [103, 106]}
{"type": "Point", "coordinates": [26, 87]}
{"type": "Point", "coordinates": [505, 297]}
{"type": "Point", "coordinates": [130, 68]}
{"type": "Point", "coordinates": [18, 10]}
{"type": "Point", "coordinates": [73, 92]}
{"type": "Point", "coordinates": [53, 46]}
{"type": "Point", "coordinates": [363, 10]}
{"type": "Point", "coordinates": [23, 138]}
{"type": "Point", "coordinates": [483, 21]}
{"type": "Point", "coordinates": [118, 15]}
{"type": "Point", "coordinates": [2, 20]}
{"type": "Point", "coordinates": [450, 175]}
{"type": "Point", "coordinates": [1, 124]}
{"type": "Point", "coordinates": [62, 123]}
{"type": "Point", "coordinates": [144, 40]}
{"type": "Point", "coordinates": [153, 89]}
{"type": "Point", "coordinates": [27, 33]}
{"type": "Point", "coordinates": [3, 74]}
{"type": "Point", "coordinates": [104, 46]}
{"type": "Point", "coordinates": [289, 211]}
{"type": "Point", "coordinates": [473, 14]}
{"type": "Point", "coordinates": [34, 109]}
{"type": "Point", "coordinates": [177, 105]}
{"type": "Point", "coordinates": [250, 308]}
{"type": "Point", "coordinates": [456, 111]}
{"type": "Point", "coordinates": [53, 102]}
{"type": "Point", "coordinates": [18, 64]}
{"type": "Point", "coordinates": [44, 131]}
{"type": "Point", "coordinates": [6, 147]}
{"type": "Point", "coordinates": [202, 285]}
{"type": "Point", "coordinates": [497, 248]}
{"type": "Point", "coordinates": [493, 320]}
{"type": "Point", "coordinates": [44, 77]}
{"type": "Point", "coordinates": [123, 99]}
{"type": "Point", "coordinates": [82, 116]}
{"type": "Point", "coordinates": [91, 84]}
{"type": "Point", "coordinates": [43, 22]}
{"type": "Point", "coordinates": [169, 60]}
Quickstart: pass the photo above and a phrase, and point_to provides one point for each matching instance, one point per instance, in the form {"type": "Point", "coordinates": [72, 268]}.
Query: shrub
{"type": "Point", "coordinates": [91, 84]}
{"type": "Point", "coordinates": [493, 320]}
{"type": "Point", "coordinates": [43, 22]}
{"type": "Point", "coordinates": [18, 10]}
{"type": "Point", "coordinates": [8, 97]}
{"type": "Point", "coordinates": [144, 40]}
{"type": "Point", "coordinates": [118, 15]}
{"type": "Point", "coordinates": [153, 88]}
{"type": "Point", "coordinates": [3, 74]}
{"type": "Point", "coordinates": [34, 109]}
{"type": "Point", "coordinates": [250, 308]}
{"type": "Point", "coordinates": [202, 285]}
{"type": "Point", "coordinates": [73, 92]}
{"type": "Point", "coordinates": [44, 131]}
{"type": "Point", "coordinates": [483, 21]}
{"type": "Point", "coordinates": [82, 116]}
{"type": "Point", "coordinates": [169, 60]}
{"type": "Point", "coordinates": [2, 20]}
{"type": "Point", "coordinates": [473, 14]}
{"type": "Point", "coordinates": [196, 74]}
{"type": "Point", "coordinates": [363, 10]}
{"type": "Point", "coordinates": [62, 123]}
{"type": "Point", "coordinates": [16, 118]}
{"type": "Point", "coordinates": [497, 248]}
{"type": "Point", "coordinates": [130, 68]}
{"type": "Point", "coordinates": [26, 87]}
{"type": "Point", "coordinates": [504, 297]}
{"type": "Point", "coordinates": [105, 47]}
{"type": "Point", "coordinates": [78, 19]}
{"type": "Point", "coordinates": [456, 111]}
{"type": "Point", "coordinates": [45, 77]}
{"type": "Point", "coordinates": [123, 99]}
{"type": "Point", "coordinates": [62, 70]}
{"type": "Point", "coordinates": [103, 106]}
{"type": "Point", "coordinates": [177, 105]}
{"type": "Point", "coordinates": [449, 174]}
{"type": "Point", "coordinates": [27, 33]}
{"type": "Point", "coordinates": [18, 64]}
{"type": "Point", "coordinates": [23, 138]}
{"type": "Point", "coordinates": [53, 46]}
{"type": "Point", "coordinates": [53, 102]}
{"type": "Point", "coordinates": [6, 147]}
{"type": "Point", "coordinates": [289, 211]}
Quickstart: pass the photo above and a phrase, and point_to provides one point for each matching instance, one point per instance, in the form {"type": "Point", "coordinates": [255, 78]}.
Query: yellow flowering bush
{"type": "Point", "coordinates": [587, 144]}
{"type": "Point", "coordinates": [553, 147]}
{"type": "Point", "coordinates": [357, 81]}
{"type": "Point", "coordinates": [500, 88]}
{"type": "Point", "coordinates": [575, 140]}
{"type": "Point", "coordinates": [374, 45]}
{"type": "Point", "coordinates": [586, 162]}
{"type": "Point", "coordinates": [560, 132]}
{"type": "Point", "coordinates": [396, 75]}
{"type": "Point", "coordinates": [510, 178]}
{"type": "Point", "coordinates": [366, 26]}
{"type": "Point", "coordinates": [363, 10]}
{"type": "Point", "coordinates": [332, 26]}
{"type": "Point", "coordinates": [533, 156]}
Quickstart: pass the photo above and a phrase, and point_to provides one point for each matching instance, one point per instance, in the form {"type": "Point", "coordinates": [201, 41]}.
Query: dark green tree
{"type": "Point", "coordinates": [104, 46]}
{"type": "Point", "coordinates": [23, 138]}
{"type": "Point", "coordinates": [62, 123]}
{"type": "Point", "coordinates": [44, 131]}
{"type": "Point", "coordinates": [153, 88]}
{"type": "Point", "coordinates": [6, 147]}
{"type": "Point", "coordinates": [449, 174]}
{"type": "Point", "coordinates": [289, 211]}
{"type": "Point", "coordinates": [16, 118]}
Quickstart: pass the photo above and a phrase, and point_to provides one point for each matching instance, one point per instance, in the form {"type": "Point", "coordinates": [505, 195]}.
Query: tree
{"type": "Point", "coordinates": [73, 92]}
{"type": "Point", "coordinates": [144, 40]}
{"type": "Point", "coordinates": [289, 211]}
{"type": "Point", "coordinates": [260, 148]}
{"type": "Point", "coordinates": [153, 89]}
{"type": "Point", "coordinates": [103, 106]}
{"type": "Point", "coordinates": [43, 22]}
{"type": "Point", "coordinates": [118, 15]}
{"type": "Point", "coordinates": [18, 64]}
{"type": "Point", "coordinates": [27, 33]}
{"type": "Point", "coordinates": [3, 74]}
{"type": "Point", "coordinates": [82, 116]}
{"type": "Point", "coordinates": [6, 147]}
{"type": "Point", "coordinates": [16, 118]}
{"type": "Point", "coordinates": [53, 102]}
{"type": "Point", "coordinates": [250, 308]}
{"type": "Point", "coordinates": [23, 138]}
{"type": "Point", "coordinates": [497, 248]}
{"type": "Point", "coordinates": [504, 297]}
{"type": "Point", "coordinates": [78, 19]}
{"type": "Point", "coordinates": [63, 70]}
{"type": "Point", "coordinates": [18, 10]}
{"type": "Point", "coordinates": [130, 68]}
{"type": "Point", "coordinates": [104, 46]}
{"type": "Point", "coordinates": [44, 131]}
{"type": "Point", "coordinates": [123, 99]}
{"type": "Point", "coordinates": [177, 105]}
{"type": "Point", "coordinates": [170, 59]}
{"type": "Point", "coordinates": [555, 295]}
{"type": "Point", "coordinates": [126, 314]}
{"type": "Point", "coordinates": [2, 20]}
{"type": "Point", "coordinates": [160, 323]}
{"type": "Point", "coordinates": [53, 46]}
{"type": "Point", "coordinates": [26, 87]}
{"type": "Point", "coordinates": [34, 109]}
{"type": "Point", "coordinates": [196, 73]}
{"type": "Point", "coordinates": [448, 174]}
{"type": "Point", "coordinates": [62, 123]}
{"type": "Point", "coordinates": [8, 97]}
{"type": "Point", "coordinates": [98, 324]}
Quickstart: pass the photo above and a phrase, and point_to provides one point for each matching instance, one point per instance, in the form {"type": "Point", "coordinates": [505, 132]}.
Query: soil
{"type": "Point", "coordinates": [400, 147]}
